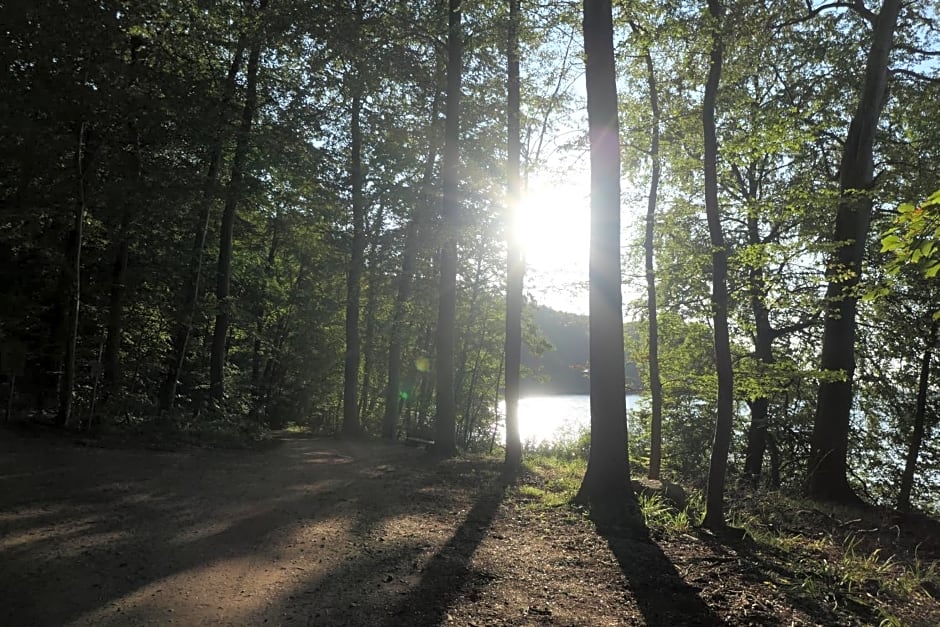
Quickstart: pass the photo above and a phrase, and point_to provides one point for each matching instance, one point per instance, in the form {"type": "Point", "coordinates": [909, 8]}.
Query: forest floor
{"type": "Point", "coordinates": [322, 532]}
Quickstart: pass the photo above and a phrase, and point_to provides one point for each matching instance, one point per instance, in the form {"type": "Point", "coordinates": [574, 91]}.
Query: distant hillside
{"type": "Point", "coordinates": [563, 368]}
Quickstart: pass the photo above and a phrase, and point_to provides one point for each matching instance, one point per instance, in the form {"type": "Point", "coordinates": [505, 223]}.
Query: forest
{"type": "Point", "coordinates": [224, 221]}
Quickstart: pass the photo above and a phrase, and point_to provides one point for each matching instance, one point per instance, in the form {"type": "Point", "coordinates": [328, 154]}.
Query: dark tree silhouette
{"type": "Point", "coordinates": [828, 457]}
{"type": "Point", "coordinates": [445, 442]}
{"type": "Point", "coordinates": [606, 483]}
{"type": "Point", "coordinates": [714, 506]}
{"type": "Point", "coordinates": [515, 266]}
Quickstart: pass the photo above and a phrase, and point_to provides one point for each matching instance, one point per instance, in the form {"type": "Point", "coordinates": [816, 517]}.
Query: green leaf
{"type": "Point", "coordinates": [891, 242]}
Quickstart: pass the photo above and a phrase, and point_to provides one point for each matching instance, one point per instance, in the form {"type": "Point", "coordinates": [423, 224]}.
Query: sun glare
{"type": "Point", "coordinates": [553, 226]}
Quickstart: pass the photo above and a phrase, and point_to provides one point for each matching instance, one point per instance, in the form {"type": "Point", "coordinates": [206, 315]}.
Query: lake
{"type": "Point", "coordinates": [556, 418]}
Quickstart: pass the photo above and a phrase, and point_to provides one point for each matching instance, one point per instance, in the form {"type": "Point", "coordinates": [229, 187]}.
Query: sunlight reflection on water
{"type": "Point", "coordinates": [558, 418]}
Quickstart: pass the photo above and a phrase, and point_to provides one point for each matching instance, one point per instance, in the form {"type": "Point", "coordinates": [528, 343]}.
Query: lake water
{"type": "Point", "coordinates": [558, 418]}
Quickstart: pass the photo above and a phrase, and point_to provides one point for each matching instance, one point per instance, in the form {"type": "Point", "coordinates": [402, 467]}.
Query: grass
{"type": "Point", "coordinates": [834, 563]}
{"type": "Point", "coordinates": [853, 563]}
{"type": "Point", "coordinates": [550, 481]}
{"type": "Point", "coordinates": [662, 516]}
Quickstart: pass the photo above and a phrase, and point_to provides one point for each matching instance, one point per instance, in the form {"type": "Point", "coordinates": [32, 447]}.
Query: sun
{"type": "Point", "coordinates": [554, 228]}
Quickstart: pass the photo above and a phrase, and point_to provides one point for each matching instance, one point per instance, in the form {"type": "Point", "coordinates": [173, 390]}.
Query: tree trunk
{"type": "Point", "coordinates": [351, 427]}
{"type": "Point", "coordinates": [515, 264]}
{"type": "Point", "coordinates": [233, 195]}
{"type": "Point", "coordinates": [445, 443]}
{"type": "Point", "coordinates": [184, 317]}
{"type": "Point", "coordinates": [473, 310]}
{"type": "Point", "coordinates": [74, 272]}
{"type": "Point", "coordinates": [257, 394]}
{"type": "Point", "coordinates": [828, 457]}
{"type": "Point", "coordinates": [112, 352]}
{"type": "Point", "coordinates": [763, 353]}
{"type": "Point", "coordinates": [656, 388]}
{"type": "Point", "coordinates": [393, 391]}
{"type": "Point", "coordinates": [714, 506]}
{"type": "Point", "coordinates": [606, 484]}
{"type": "Point", "coordinates": [917, 433]}
{"type": "Point", "coordinates": [375, 265]}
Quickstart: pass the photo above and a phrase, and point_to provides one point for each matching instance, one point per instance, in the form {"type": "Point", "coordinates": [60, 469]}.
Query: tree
{"type": "Point", "coordinates": [515, 265]}
{"type": "Point", "coordinates": [606, 484]}
{"type": "Point", "coordinates": [714, 507]}
{"type": "Point", "coordinates": [193, 281]}
{"type": "Point", "coordinates": [828, 458]}
{"type": "Point", "coordinates": [234, 193]}
{"type": "Point", "coordinates": [445, 443]}
{"type": "Point", "coordinates": [406, 278]}
{"type": "Point", "coordinates": [351, 425]}
{"type": "Point", "coordinates": [72, 273]}
{"type": "Point", "coordinates": [918, 430]}
{"type": "Point", "coordinates": [656, 387]}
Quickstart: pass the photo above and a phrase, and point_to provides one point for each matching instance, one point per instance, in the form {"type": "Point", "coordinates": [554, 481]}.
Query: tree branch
{"type": "Point", "coordinates": [858, 6]}
{"type": "Point", "coordinates": [915, 75]}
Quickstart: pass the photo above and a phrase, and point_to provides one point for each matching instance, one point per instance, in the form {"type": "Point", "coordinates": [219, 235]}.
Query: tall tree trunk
{"type": "Point", "coordinates": [393, 390]}
{"type": "Point", "coordinates": [473, 310]}
{"type": "Point", "coordinates": [351, 427]}
{"type": "Point", "coordinates": [445, 443]}
{"type": "Point", "coordinates": [515, 264]}
{"type": "Point", "coordinates": [233, 195]}
{"type": "Point", "coordinates": [763, 353]}
{"type": "Point", "coordinates": [917, 433]}
{"type": "Point", "coordinates": [375, 257]}
{"type": "Point", "coordinates": [257, 394]}
{"type": "Point", "coordinates": [828, 457]}
{"type": "Point", "coordinates": [73, 270]}
{"type": "Point", "coordinates": [112, 352]}
{"type": "Point", "coordinates": [606, 484]}
{"type": "Point", "coordinates": [656, 388]}
{"type": "Point", "coordinates": [714, 506]}
{"type": "Point", "coordinates": [474, 373]}
{"type": "Point", "coordinates": [187, 310]}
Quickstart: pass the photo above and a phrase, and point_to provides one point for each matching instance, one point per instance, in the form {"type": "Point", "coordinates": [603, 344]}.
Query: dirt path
{"type": "Point", "coordinates": [318, 532]}
{"type": "Point", "coordinates": [312, 532]}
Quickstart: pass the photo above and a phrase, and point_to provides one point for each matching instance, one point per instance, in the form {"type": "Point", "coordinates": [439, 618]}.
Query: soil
{"type": "Point", "coordinates": [323, 532]}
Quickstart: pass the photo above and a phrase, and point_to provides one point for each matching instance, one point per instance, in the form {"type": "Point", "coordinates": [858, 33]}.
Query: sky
{"type": "Point", "coordinates": [555, 228]}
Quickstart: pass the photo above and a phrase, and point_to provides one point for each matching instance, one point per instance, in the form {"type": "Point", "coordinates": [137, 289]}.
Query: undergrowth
{"type": "Point", "coordinates": [846, 562]}
{"type": "Point", "coordinates": [663, 516]}
{"type": "Point", "coordinates": [837, 557]}
{"type": "Point", "coordinates": [550, 481]}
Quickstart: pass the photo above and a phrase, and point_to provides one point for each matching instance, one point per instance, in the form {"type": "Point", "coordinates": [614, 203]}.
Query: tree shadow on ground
{"type": "Point", "coordinates": [87, 528]}
{"type": "Point", "coordinates": [760, 561]}
{"type": "Point", "coordinates": [661, 594]}
{"type": "Point", "coordinates": [449, 574]}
